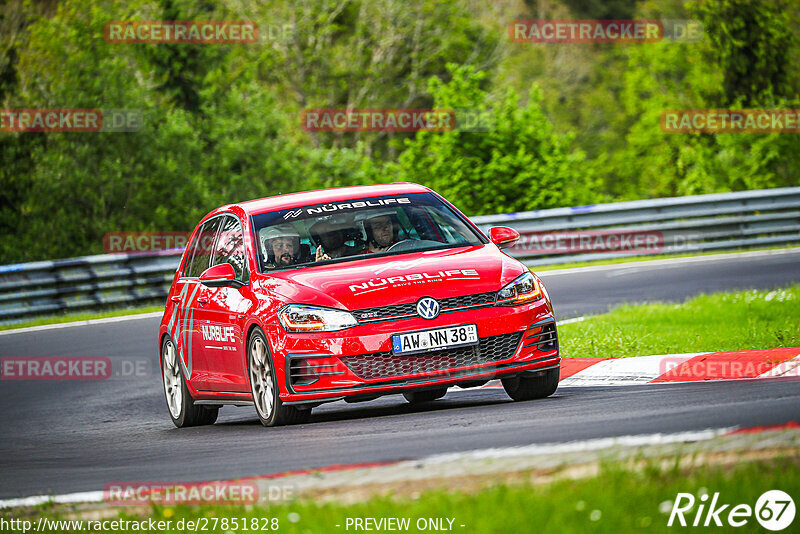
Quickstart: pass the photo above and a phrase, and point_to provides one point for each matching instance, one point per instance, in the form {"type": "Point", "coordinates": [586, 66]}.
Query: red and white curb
{"type": "Point", "coordinates": [697, 367]}
{"type": "Point", "coordinates": [674, 368]}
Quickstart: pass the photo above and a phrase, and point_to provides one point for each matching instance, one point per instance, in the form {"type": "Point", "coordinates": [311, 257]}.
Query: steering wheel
{"type": "Point", "coordinates": [401, 245]}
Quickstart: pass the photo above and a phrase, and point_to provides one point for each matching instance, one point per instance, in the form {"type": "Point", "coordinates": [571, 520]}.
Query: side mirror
{"type": "Point", "coordinates": [503, 236]}
{"type": "Point", "coordinates": [220, 276]}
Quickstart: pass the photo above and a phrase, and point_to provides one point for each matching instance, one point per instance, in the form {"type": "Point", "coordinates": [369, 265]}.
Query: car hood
{"type": "Point", "coordinates": [398, 279]}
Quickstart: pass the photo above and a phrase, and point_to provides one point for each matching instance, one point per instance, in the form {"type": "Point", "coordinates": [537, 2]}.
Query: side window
{"type": "Point", "coordinates": [230, 247]}
{"type": "Point", "coordinates": [202, 245]}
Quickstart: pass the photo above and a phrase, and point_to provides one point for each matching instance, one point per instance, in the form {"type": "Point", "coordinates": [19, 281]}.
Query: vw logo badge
{"type": "Point", "coordinates": [428, 308]}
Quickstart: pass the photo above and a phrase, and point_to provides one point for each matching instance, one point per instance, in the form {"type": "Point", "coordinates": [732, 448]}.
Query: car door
{"type": "Point", "coordinates": [184, 328]}
{"type": "Point", "coordinates": [222, 312]}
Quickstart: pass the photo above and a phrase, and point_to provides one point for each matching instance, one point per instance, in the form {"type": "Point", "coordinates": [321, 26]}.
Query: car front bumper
{"type": "Point", "coordinates": [358, 362]}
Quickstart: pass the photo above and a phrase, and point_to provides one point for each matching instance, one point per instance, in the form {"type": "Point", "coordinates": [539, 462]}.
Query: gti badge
{"type": "Point", "coordinates": [428, 308]}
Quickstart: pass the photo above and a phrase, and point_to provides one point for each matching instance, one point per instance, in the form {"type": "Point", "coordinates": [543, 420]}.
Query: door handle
{"type": "Point", "coordinates": [175, 298]}
{"type": "Point", "coordinates": [202, 301]}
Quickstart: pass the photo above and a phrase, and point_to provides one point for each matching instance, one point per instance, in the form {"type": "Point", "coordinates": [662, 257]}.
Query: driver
{"type": "Point", "coordinates": [330, 238]}
{"type": "Point", "coordinates": [382, 229]}
{"type": "Point", "coordinates": [281, 245]}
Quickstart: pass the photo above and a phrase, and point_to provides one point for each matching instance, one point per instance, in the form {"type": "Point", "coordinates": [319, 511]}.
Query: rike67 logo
{"type": "Point", "coordinates": [774, 510]}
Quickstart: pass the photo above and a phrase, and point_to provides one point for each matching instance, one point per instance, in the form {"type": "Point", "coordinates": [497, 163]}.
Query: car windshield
{"type": "Point", "coordinates": [355, 229]}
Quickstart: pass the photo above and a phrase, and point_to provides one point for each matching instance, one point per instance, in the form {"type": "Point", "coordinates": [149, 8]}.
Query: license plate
{"type": "Point", "coordinates": [439, 338]}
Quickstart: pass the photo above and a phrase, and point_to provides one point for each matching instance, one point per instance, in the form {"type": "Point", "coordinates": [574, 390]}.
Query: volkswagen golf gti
{"type": "Point", "coordinates": [288, 302]}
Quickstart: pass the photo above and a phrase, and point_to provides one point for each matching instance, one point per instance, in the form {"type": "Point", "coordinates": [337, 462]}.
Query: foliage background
{"type": "Point", "coordinates": [574, 123]}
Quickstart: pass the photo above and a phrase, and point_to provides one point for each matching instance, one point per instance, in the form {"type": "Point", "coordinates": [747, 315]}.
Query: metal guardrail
{"type": "Point", "coordinates": [723, 221]}
{"type": "Point", "coordinates": [87, 283]}
{"type": "Point", "coordinates": [769, 217]}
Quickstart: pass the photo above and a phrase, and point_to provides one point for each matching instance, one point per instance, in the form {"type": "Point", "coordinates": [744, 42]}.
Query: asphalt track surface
{"type": "Point", "coordinates": [70, 436]}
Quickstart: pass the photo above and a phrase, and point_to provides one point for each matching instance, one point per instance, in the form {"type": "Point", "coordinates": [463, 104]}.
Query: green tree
{"type": "Point", "coordinates": [367, 54]}
{"type": "Point", "coordinates": [210, 138]}
{"type": "Point", "coordinates": [674, 76]}
{"type": "Point", "coordinates": [752, 42]}
{"type": "Point", "coordinates": [518, 164]}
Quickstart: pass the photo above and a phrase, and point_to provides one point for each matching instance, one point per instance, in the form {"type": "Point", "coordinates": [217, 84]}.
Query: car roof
{"type": "Point", "coordinates": [323, 196]}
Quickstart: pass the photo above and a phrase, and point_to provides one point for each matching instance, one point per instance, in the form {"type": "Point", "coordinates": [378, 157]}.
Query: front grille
{"type": "Point", "coordinates": [387, 365]}
{"type": "Point", "coordinates": [383, 312]}
{"type": "Point", "coordinates": [545, 340]}
{"type": "Point", "coordinates": [468, 300]}
{"type": "Point", "coordinates": [410, 308]}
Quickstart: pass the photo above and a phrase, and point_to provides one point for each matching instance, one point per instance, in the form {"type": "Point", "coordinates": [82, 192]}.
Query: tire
{"type": "Point", "coordinates": [428, 395]}
{"type": "Point", "coordinates": [180, 405]}
{"type": "Point", "coordinates": [538, 386]}
{"type": "Point", "coordinates": [264, 386]}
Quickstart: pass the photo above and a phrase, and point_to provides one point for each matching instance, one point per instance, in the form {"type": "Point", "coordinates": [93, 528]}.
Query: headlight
{"type": "Point", "coordinates": [524, 288]}
{"type": "Point", "coordinates": [304, 318]}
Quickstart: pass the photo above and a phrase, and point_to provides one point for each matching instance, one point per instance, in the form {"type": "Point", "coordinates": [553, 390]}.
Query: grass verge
{"type": "Point", "coordinates": [73, 317]}
{"type": "Point", "coordinates": [739, 320]}
{"type": "Point", "coordinates": [617, 499]}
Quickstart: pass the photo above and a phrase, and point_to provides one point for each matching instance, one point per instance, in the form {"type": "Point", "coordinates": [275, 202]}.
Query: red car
{"type": "Point", "coordinates": [288, 302]}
